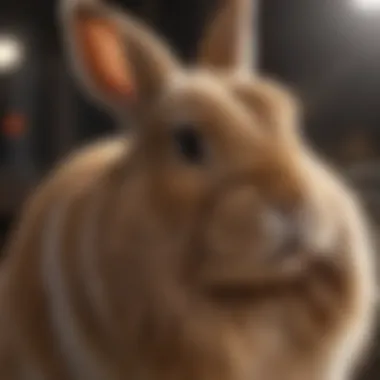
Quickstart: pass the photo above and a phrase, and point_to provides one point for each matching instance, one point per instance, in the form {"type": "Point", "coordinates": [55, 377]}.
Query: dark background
{"type": "Point", "coordinates": [327, 50]}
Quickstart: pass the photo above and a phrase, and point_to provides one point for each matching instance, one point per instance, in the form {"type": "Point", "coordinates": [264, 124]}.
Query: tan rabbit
{"type": "Point", "coordinates": [210, 244]}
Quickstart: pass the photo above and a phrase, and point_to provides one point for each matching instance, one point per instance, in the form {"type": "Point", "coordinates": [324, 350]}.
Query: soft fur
{"type": "Point", "coordinates": [131, 263]}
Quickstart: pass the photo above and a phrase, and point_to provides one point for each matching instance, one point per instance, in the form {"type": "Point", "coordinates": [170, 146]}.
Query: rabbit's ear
{"type": "Point", "coordinates": [228, 42]}
{"type": "Point", "coordinates": [117, 58]}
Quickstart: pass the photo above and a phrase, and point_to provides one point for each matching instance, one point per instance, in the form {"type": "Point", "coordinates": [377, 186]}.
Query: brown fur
{"type": "Point", "coordinates": [158, 269]}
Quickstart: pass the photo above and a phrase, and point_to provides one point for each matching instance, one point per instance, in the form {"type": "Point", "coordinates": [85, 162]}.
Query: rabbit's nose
{"type": "Point", "coordinates": [285, 230]}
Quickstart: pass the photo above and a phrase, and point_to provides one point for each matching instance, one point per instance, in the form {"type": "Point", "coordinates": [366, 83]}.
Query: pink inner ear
{"type": "Point", "coordinates": [105, 57]}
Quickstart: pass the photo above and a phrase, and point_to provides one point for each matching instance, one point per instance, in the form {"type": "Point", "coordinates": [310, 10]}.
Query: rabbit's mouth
{"type": "Point", "coordinates": [245, 283]}
{"type": "Point", "coordinates": [243, 293]}
{"type": "Point", "coordinates": [247, 278]}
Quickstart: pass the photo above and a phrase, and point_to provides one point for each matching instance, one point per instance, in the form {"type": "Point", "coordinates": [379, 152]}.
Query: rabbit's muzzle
{"type": "Point", "coordinates": [250, 242]}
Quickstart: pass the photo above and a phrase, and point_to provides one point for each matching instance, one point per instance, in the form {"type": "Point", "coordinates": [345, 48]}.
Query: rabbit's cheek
{"type": "Point", "coordinates": [319, 232]}
{"type": "Point", "coordinates": [321, 222]}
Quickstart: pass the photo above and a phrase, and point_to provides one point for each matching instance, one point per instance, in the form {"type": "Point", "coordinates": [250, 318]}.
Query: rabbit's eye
{"type": "Point", "coordinates": [189, 143]}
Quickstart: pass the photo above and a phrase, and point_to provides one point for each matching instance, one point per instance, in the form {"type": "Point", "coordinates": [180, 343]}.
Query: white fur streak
{"type": "Point", "coordinates": [88, 249]}
{"type": "Point", "coordinates": [82, 360]}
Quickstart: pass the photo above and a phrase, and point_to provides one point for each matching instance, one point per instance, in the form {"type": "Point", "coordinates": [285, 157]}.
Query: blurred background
{"type": "Point", "coordinates": [328, 51]}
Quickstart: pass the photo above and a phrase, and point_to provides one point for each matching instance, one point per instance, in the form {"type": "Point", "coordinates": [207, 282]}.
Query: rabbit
{"type": "Point", "coordinates": [206, 242]}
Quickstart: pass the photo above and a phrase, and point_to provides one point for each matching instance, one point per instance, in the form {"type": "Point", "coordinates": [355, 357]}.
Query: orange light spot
{"type": "Point", "coordinates": [14, 125]}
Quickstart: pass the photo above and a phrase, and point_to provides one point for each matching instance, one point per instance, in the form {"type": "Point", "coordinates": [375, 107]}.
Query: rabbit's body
{"type": "Point", "coordinates": [212, 245]}
{"type": "Point", "coordinates": [28, 342]}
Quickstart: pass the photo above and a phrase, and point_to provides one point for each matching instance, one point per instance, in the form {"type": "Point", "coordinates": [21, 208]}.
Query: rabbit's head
{"type": "Point", "coordinates": [219, 200]}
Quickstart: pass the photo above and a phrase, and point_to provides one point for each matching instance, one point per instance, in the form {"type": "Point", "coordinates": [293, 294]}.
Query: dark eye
{"type": "Point", "coordinates": [189, 143]}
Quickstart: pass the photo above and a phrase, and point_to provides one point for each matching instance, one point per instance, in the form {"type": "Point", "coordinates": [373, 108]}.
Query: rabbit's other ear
{"type": "Point", "coordinates": [117, 58]}
{"type": "Point", "coordinates": [228, 42]}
